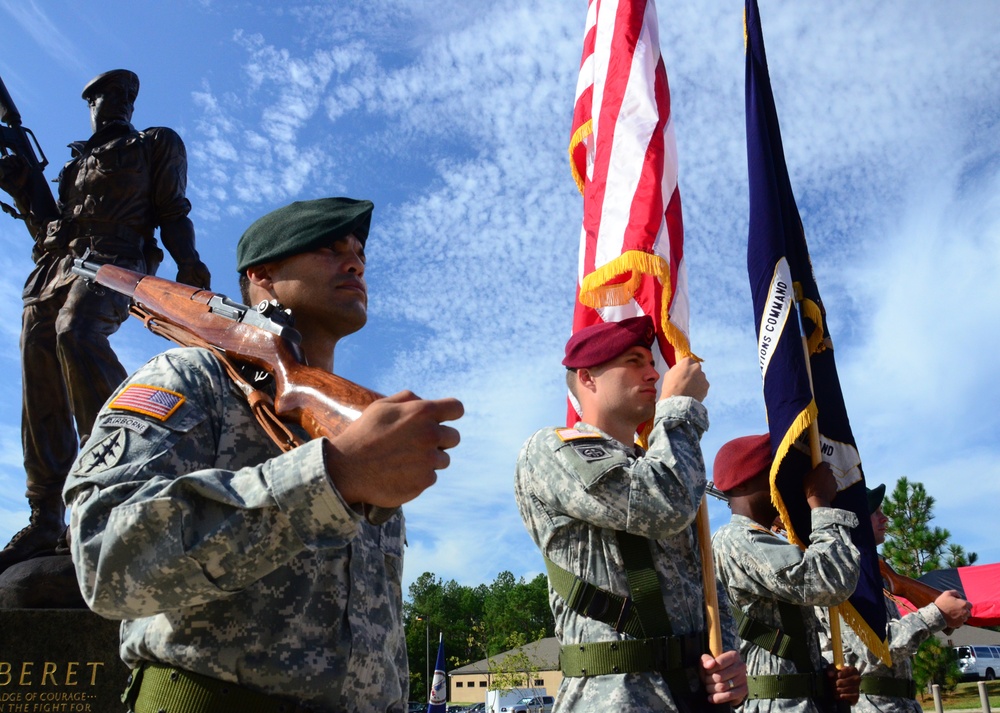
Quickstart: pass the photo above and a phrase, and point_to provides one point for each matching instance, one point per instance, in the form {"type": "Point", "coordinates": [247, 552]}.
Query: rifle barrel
{"type": "Point", "coordinates": [8, 112]}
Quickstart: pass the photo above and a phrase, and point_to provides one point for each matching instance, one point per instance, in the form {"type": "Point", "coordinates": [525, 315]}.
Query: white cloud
{"type": "Point", "coordinates": [876, 119]}
{"type": "Point", "coordinates": [33, 20]}
{"type": "Point", "coordinates": [455, 117]}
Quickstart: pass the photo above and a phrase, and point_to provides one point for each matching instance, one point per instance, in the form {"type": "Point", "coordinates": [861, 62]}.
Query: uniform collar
{"type": "Point", "coordinates": [105, 134]}
{"type": "Point", "coordinates": [633, 448]}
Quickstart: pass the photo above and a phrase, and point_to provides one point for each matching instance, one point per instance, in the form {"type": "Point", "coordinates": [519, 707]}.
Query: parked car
{"type": "Point", "coordinates": [977, 662]}
{"type": "Point", "coordinates": [503, 701]}
{"type": "Point", "coordinates": [534, 704]}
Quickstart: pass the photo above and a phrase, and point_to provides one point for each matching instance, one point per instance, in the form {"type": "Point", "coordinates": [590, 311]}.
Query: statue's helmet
{"type": "Point", "coordinates": [125, 78]}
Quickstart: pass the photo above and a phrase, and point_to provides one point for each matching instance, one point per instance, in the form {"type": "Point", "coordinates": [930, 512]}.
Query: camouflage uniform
{"type": "Point", "coordinates": [904, 637]}
{"type": "Point", "coordinates": [228, 559]}
{"type": "Point", "coordinates": [574, 494]}
{"type": "Point", "coordinates": [758, 569]}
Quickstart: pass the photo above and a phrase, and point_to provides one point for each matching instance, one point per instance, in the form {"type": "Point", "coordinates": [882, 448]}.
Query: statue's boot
{"type": "Point", "coordinates": [41, 535]}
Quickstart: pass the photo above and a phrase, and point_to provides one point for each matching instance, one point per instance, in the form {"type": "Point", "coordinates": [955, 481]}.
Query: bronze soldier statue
{"type": "Point", "coordinates": [116, 189]}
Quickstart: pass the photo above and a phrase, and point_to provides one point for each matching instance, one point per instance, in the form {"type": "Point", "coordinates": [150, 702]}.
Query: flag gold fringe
{"type": "Point", "coordinates": [596, 293]}
{"type": "Point", "coordinates": [798, 427]}
{"type": "Point", "coordinates": [585, 130]}
{"type": "Point", "coordinates": [802, 422]}
{"type": "Point", "coordinates": [868, 637]}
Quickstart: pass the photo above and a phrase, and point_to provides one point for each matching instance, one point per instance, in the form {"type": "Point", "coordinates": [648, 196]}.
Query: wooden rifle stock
{"type": "Point", "coordinates": [320, 402]}
{"type": "Point", "coordinates": [917, 593]}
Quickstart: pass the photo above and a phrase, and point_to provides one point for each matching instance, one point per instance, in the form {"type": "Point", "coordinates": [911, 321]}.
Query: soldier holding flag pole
{"type": "Point", "coordinates": [632, 239]}
{"type": "Point", "coordinates": [805, 408]}
{"type": "Point", "coordinates": [774, 585]}
{"type": "Point", "coordinates": [614, 522]}
{"type": "Point", "coordinates": [628, 571]}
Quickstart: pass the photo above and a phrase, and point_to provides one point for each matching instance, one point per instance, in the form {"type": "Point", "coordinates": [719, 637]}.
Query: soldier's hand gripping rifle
{"type": "Point", "coordinates": [320, 402]}
{"type": "Point", "coordinates": [34, 200]}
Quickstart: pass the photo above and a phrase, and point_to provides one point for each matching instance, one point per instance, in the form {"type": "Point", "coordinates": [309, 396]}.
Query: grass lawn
{"type": "Point", "coordinates": [965, 695]}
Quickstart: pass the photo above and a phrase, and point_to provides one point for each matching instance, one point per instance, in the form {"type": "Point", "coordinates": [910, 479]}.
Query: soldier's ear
{"type": "Point", "coordinates": [585, 379]}
{"type": "Point", "coordinates": [260, 276]}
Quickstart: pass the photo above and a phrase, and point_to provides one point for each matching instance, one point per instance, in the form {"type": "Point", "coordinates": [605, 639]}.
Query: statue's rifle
{"type": "Point", "coordinates": [322, 403]}
{"type": "Point", "coordinates": [40, 205]}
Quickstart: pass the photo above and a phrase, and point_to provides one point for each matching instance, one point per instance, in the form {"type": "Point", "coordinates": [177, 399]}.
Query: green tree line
{"type": "Point", "coordinates": [476, 622]}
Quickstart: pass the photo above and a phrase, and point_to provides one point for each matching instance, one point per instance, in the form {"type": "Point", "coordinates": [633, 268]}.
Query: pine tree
{"type": "Point", "coordinates": [936, 663]}
{"type": "Point", "coordinates": [912, 546]}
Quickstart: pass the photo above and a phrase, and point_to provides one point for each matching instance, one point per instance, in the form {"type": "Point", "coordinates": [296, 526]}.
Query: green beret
{"type": "Point", "coordinates": [126, 78]}
{"type": "Point", "coordinates": [301, 227]}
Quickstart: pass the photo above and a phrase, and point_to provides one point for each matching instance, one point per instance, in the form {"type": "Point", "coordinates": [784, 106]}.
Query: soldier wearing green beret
{"type": "Point", "coordinates": [248, 578]}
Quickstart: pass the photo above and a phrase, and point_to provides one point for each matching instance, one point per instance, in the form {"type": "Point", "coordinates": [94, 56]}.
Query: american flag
{"type": "Point", "coordinates": [624, 159]}
{"type": "Point", "coordinates": [150, 400]}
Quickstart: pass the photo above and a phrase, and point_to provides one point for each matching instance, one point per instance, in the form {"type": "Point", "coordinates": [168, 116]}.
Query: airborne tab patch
{"type": "Point", "coordinates": [149, 400]}
{"type": "Point", "coordinates": [113, 420]}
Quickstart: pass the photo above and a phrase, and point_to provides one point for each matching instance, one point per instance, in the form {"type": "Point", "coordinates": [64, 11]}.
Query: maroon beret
{"type": "Point", "coordinates": [602, 342]}
{"type": "Point", "coordinates": [740, 460]}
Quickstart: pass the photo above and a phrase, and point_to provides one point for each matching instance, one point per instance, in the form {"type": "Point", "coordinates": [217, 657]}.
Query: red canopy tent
{"type": "Point", "coordinates": [980, 584]}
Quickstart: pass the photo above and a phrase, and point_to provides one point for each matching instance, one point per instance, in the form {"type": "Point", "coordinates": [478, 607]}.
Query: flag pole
{"type": "Point", "coordinates": [816, 455]}
{"type": "Point", "coordinates": [712, 622]}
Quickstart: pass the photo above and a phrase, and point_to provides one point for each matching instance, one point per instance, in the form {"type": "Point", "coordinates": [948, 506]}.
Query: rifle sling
{"type": "Point", "coordinates": [261, 403]}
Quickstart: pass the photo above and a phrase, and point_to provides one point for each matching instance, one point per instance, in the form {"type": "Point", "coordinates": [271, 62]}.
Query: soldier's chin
{"type": "Point", "coordinates": [353, 318]}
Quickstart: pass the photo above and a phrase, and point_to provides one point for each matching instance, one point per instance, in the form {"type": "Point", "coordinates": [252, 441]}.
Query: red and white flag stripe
{"type": "Point", "coordinates": [624, 159]}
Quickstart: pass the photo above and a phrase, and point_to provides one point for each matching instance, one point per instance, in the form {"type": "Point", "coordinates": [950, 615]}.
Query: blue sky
{"type": "Point", "coordinates": [453, 117]}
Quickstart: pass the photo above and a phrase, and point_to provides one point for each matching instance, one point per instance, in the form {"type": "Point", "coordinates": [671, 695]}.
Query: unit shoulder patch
{"type": "Point", "coordinates": [104, 454]}
{"type": "Point", "coordinates": [591, 452]}
{"type": "Point", "coordinates": [153, 401]}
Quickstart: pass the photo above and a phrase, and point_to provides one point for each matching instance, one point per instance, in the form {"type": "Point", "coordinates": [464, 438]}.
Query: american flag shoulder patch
{"type": "Point", "coordinates": [572, 434]}
{"type": "Point", "coordinates": [149, 400]}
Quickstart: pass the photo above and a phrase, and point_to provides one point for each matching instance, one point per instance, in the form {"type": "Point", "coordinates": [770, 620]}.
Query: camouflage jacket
{"type": "Point", "coordinates": [904, 636]}
{"type": "Point", "coordinates": [759, 569]}
{"type": "Point", "coordinates": [575, 488]}
{"type": "Point", "coordinates": [227, 558]}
